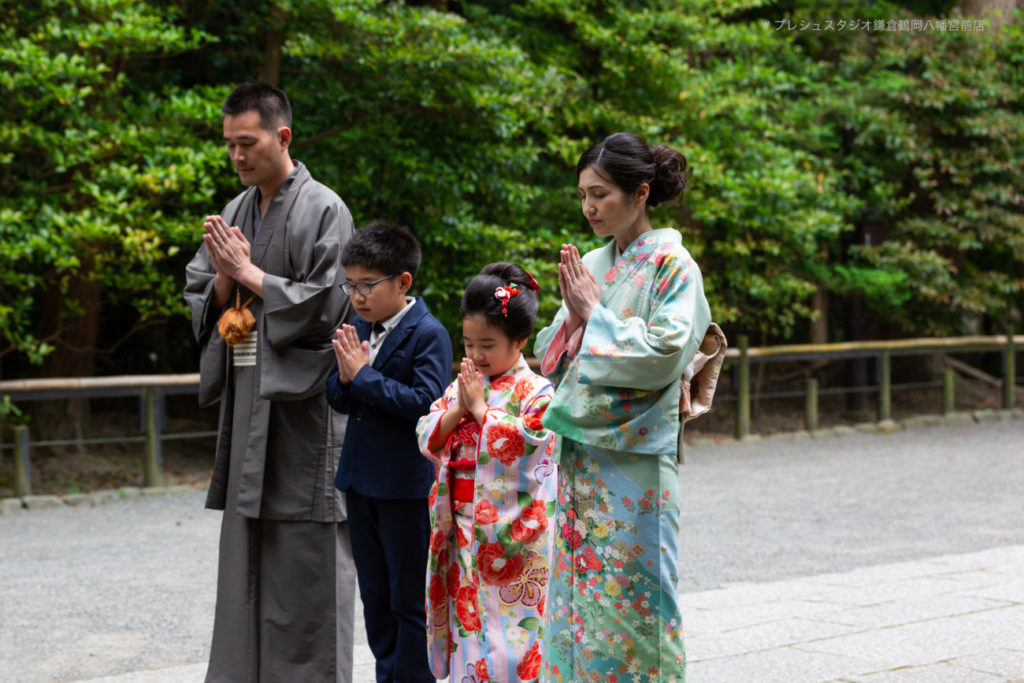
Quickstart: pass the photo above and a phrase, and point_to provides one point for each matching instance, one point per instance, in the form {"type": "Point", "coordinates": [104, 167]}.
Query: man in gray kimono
{"type": "Point", "coordinates": [286, 580]}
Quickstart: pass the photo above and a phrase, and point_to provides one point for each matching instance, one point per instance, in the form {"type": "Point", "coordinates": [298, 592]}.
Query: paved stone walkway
{"type": "Point", "coordinates": [944, 619]}
{"type": "Point", "coordinates": [869, 557]}
{"type": "Point", "coordinates": [940, 620]}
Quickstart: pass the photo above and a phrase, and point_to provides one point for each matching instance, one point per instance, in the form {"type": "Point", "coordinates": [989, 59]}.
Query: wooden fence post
{"type": "Point", "coordinates": [1009, 372]}
{"type": "Point", "coordinates": [948, 391]}
{"type": "Point", "coordinates": [153, 468]}
{"type": "Point", "coordinates": [885, 386]}
{"type": "Point", "coordinates": [811, 405]}
{"type": "Point", "coordinates": [743, 399]}
{"type": "Point", "coordinates": [22, 462]}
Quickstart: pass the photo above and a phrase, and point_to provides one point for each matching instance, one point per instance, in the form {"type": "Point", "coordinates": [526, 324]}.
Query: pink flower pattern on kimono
{"type": "Point", "coordinates": [499, 544]}
{"type": "Point", "coordinates": [610, 561]}
{"type": "Point", "coordinates": [612, 612]}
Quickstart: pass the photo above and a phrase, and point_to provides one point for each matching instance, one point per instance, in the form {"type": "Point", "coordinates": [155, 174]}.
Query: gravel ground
{"type": "Point", "coordinates": [786, 508]}
{"type": "Point", "coordinates": [127, 586]}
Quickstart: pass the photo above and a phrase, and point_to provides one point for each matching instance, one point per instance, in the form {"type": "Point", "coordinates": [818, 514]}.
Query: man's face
{"type": "Point", "coordinates": [259, 156]}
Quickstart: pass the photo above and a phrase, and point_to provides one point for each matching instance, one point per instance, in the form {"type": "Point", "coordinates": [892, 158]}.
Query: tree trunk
{"type": "Point", "coordinates": [819, 326]}
{"type": "Point", "coordinates": [856, 402]}
{"type": "Point", "coordinates": [74, 350]}
{"type": "Point", "coordinates": [272, 48]}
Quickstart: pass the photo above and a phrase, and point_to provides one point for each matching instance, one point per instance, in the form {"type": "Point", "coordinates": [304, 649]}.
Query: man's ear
{"type": "Point", "coordinates": [284, 135]}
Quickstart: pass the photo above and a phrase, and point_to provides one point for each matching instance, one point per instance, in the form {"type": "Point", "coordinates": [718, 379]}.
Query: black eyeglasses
{"type": "Point", "coordinates": [363, 288]}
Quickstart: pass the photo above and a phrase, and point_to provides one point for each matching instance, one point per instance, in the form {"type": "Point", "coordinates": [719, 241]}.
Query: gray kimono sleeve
{"type": "Point", "coordinates": [301, 311]}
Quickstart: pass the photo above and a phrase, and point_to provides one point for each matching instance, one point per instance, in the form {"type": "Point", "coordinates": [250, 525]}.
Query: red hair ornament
{"type": "Point", "coordinates": [504, 294]}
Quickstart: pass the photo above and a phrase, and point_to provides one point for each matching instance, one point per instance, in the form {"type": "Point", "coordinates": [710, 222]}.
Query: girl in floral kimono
{"type": "Point", "coordinates": [633, 316]}
{"type": "Point", "coordinates": [491, 507]}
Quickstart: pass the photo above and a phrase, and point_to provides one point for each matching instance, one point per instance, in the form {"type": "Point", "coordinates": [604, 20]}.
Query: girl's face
{"type": "Point", "coordinates": [490, 349]}
{"type": "Point", "coordinates": [610, 212]}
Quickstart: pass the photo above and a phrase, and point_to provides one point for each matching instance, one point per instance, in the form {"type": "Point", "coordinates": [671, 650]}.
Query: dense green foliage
{"type": "Point", "coordinates": [103, 170]}
{"type": "Point", "coordinates": [878, 165]}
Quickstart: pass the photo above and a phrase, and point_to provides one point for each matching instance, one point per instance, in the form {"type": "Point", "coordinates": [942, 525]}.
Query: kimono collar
{"type": "Point", "coordinates": [637, 253]}
{"type": "Point", "coordinates": [645, 242]}
{"type": "Point", "coordinates": [513, 371]}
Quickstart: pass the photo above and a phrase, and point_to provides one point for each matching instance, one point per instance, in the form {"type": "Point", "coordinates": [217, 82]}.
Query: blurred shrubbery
{"type": "Point", "coordinates": [875, 168]}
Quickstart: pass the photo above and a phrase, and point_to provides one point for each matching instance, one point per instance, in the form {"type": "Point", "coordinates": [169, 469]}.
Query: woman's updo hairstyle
{"type": "Point", "coordinates": [480, 299]}
{"type": "Point", "coordinates": [626, 160]}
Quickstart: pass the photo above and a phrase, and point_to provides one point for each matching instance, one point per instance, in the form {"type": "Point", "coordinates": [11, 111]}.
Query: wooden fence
{"type": "Point", "coordinates": [152, 390]}
{"type": "Point", "coordinates": [741, 357]}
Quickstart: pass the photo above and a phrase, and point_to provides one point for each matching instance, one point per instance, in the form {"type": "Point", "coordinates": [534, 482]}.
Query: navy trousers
{"type": "Point", "coordinates": [390, 542]}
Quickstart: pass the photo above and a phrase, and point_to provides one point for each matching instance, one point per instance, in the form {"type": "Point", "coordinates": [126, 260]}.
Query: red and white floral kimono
{"type": "Point", "coordinates": [491, 511]}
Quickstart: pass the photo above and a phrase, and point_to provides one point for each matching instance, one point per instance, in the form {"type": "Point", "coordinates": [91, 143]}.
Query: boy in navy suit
{"type": "Point", "coordinates": [393, 362]}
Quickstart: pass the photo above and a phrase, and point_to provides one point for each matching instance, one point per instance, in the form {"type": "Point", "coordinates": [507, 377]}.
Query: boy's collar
{"type": "Point", "coordinates": [394, 319]}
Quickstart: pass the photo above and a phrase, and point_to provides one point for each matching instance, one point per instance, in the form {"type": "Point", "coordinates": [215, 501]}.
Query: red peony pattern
{"type": "Point", "coordinates": [437, 540]}
{"type": "Point", "coordinates": [454, 578]}
{"type": "Point", "coordinates": [529, 666]}
{"type": "Point", "coordinates": [486, 512]}
{"type": "Point", "coordinates": [514, 484]}
{"type": "Point", "coordinates": [468, 608]}
{"type": "Point", "coordinates": [571, 536]}
{"type": "Point", "coordinates": [496, 569]}
{"type": "Point", "coordinates": [502, 383]}
{"type": "Point", "coordinates": [588, 561]}
{"type": "Point", "coordinates": [505, 443]}
{"type": "Point", "coordinates": [523, 388]}
{"type": "Point", "coordinates": [439, 601]}
{"type": "Point", "coordinates": [531, 523]}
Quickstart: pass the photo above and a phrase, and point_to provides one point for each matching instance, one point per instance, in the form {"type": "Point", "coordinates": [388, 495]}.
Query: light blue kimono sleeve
{"type": "Point", "coordinates": [648, 355]}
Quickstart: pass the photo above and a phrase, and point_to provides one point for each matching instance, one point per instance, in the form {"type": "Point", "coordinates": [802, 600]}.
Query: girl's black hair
{"type": "Point", "coordinates": [626, 160]}
{"type": "Point", "coordinates": [479, 299]}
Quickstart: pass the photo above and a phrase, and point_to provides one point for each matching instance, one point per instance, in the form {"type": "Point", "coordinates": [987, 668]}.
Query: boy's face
{"type": "Point", "coordinates": [385, 299]}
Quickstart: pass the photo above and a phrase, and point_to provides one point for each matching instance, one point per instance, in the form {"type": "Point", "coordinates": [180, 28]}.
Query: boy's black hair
{"type": "Point", "coordinates": [479, 299]}
{"type": "Point", "coordinates": [383, 246]}
{"type": "Point", "coordinates": [272, 104]}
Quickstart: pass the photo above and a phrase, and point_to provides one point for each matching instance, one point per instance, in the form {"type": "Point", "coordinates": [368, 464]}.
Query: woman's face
{"type": "Point", "coordinates": [610, 212]}
{"type": "Point", "coordinates": [490, 349]}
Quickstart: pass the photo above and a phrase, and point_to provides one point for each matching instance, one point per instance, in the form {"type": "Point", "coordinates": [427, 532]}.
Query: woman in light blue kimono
{"type": "Point", "coordinates": [633, 315]}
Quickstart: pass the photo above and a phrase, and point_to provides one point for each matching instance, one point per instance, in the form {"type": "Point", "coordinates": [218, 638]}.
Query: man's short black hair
{"type": "Point", "coordinates": [383, 246]}
{"type": "Point", "coordinates": [272, 104]}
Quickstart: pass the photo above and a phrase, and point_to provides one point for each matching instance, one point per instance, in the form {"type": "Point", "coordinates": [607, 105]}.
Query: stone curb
{"type": "Point", "coordinates": [39, 502]}
{"type": "Point", "coordinates": [883, 427]}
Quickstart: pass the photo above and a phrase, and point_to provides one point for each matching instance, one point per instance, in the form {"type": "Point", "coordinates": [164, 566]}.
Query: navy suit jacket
{"type": "Point", "coordinates": [380, 457]}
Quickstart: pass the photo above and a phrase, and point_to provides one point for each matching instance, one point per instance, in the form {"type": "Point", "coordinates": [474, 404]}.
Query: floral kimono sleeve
{"type": "Point", "coordinates": [620, 390]}
{"type": "Point", "coordinates": [513, 445]}
{"type": "Point", "coordinates": [428, 424]}
{"type": "Point", "coordinates": [647, 353]}
{"type": "Point", "coordinates": [552, 348]}
{"type": "Point", "coordinates": [442, 534]}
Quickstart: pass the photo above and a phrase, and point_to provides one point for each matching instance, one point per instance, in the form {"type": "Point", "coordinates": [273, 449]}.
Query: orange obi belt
{"type": "Point", "coordinates": [462, 479]}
